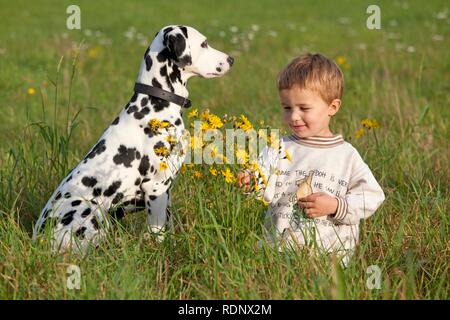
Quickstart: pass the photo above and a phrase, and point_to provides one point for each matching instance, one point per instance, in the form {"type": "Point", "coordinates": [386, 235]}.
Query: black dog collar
{"type": "Point", "coordinates": [162, 94]}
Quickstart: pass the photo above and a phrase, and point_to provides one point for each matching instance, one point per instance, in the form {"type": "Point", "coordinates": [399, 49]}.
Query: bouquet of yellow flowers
{"type": "Point", "coordinates": [209, 133]}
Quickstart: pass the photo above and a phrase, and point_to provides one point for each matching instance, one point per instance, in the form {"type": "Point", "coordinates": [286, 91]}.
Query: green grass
{"type": "Point", "coordinates": [398, 75]}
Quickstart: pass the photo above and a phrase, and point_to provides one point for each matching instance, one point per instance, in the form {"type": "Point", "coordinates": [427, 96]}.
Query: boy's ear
{"type": "Point", "coordinates": [334, 106]}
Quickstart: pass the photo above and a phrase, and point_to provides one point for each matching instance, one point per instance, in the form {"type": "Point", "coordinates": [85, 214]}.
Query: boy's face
{"type": "Point", "coordinates": [306, 113]}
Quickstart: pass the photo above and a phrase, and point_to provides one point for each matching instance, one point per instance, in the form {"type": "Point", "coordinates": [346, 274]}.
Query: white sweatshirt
{"type": "Point", "coordinates": [317, 164]}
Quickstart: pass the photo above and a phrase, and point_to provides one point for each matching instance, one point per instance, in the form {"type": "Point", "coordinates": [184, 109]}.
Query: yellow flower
{"type": "Point", "coordinates": [288, 156]}
{"type": "Point", "coordinates": [161, 151]}
{"type": "Point", "coordinates": [163, 166]}
{"type": "Point", "coordinates": [205, 126]}
{"type": "Point", "coordinates": [214, 150]}
{"type": "Point", "coordinates": [183, 168]}
{"type": "Point", "coordinates": [242, 156]}
{"type": "Point", "coordinates": [370, 124]}
{"type": "Point", "coordinates": [171, 139]}
{"type": "Point", "coordinates": [340, 60]}
{"type": "Point", "coordinates": [215, 122]}
{"type": "Point", "coordinates": [31, 91]}
{"type": "Point", "coordinates": [156, 124]}
{"type": "Point", "coordinates": [94, 51]}
{"type": "Point", "coordinates": [204, 115]}
{"type": "Point", "coordinates": [243, 123]}
{"type": "Point", "coordinates": [229, 177]}
{"type": "Point", "coordinates": [197, 174]}
{"type": "Point", "coordinates": [274, 141]}
{"type": "Point", "coordinates": [213, 171]}
{"type": "Point", "coordinates": [193, 113]}
{"type": "Point", "coordinates": [196, 143]}
{"type": "Point", "coordinates": [359, 133]}
{"type": "Point", "coordinates": [224, 159]}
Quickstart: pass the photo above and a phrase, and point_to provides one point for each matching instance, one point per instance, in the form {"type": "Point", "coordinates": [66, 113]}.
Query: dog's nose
{"type": "Point", "coordinates": [230, 60]}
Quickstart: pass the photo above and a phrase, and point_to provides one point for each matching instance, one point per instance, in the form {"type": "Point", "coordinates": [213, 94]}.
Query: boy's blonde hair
{"type": "Point", "coordinates": [314, 72]}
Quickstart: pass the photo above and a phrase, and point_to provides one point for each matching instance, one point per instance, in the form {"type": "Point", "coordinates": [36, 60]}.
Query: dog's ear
{"type": "Point", "coordinates": [175, 40]}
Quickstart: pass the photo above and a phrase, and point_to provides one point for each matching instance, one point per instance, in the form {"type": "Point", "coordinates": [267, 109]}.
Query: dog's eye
{"type": "Point", "coordinates": [204, 44]}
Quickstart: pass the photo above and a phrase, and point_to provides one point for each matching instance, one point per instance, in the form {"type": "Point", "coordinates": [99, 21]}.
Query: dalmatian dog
{"type": "Point", "coordinates": [134, 163]}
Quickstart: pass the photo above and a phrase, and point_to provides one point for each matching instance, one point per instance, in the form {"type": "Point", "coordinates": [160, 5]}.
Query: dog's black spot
{"type": "Point", "coordinates": [156, 83]}
{"type": "Point", "coordinates": [125, 156]}
{"type": "Point", "coordinates": [118, 197]}
{"type": "Point", "coordinates": [149, 132]}
{"type": "Point", "coordinates": [138, 155]}
{"type": "Point", "coordinates": [184, 30]}
{"type": "Point", "coordinates": [145, 110]}
{"type": "Point", "coordinates": [184, 61]}
{"type": "Point", "coordinates": [166, 30]}
{"type": "Point", "coordinates": [134, 97]}
{"type": "Point", "coordinates": [80, 232]}
{"type": "Point", "coordinates": [178, 122]}
{"type": "Point", "coordinates": [97, 192]}
{"type": "Point", "coordinates": [94, 223]}
{"type": "Point", "coordinates": [127, 106]}
{"type": "Point", "coordinates": [67, 195]}
{"type": "Point", "coordinates": [132, 109]}
{"type": "Point", "coordinates": [68, 217]}
{"type": "Point", "coordinates": [138, 180]}
{"type": "Point", "coordinates": [49, 221]}
{"type": "Point", "coordinates": [116, 121]}
{"type": "Point", "coordinates": [152, 197]}
{"type": "Point", "coordinates": [94, 202]}
{"type": "Point", "coordinates": [163, 72]}
{"type": "Point", "coordinates": [138, 115]}
{"type": "Point", "coordinates": [46, 212]}
{"type": "Point", "coordinates": [148, 62]}
{"type": "Point", "coordinates": [69, 178]}
{"type": "Point", "coordinates": [159, 104]}
{"type": "Point", "coordinates": [112, 188]}
{"type": "Point", "coordinates": [168, 181]}
{"type": "Point", "coordinates": [89, 181]}
{"type": "Point", "coordinates": [98, 149]}
{"type": "Point", "coordinates": [86, 212]}
{"type": "Point", "coordinates": [58, 195]}
{"type": "Point", "coordinates": [144, 166]}
{"type": "Point", "coordinates": [176, 44]}
{"type": "Point", "coordinates": [144, 102]}
{"type": "Point", "coordinates": [175, 74]}
{"type": "Point", "coordinates": [76, 203]}
{"type": "Point", "coordinates": [145, 180]}
{"type": "Point", "coordinates": [163, 55]}
{"type": "Point", "coordinates": [152, 169]}
{"type": "Point", "coordinates": [159, 144]}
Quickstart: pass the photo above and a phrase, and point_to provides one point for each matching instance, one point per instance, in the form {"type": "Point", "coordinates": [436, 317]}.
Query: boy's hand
{"type": "Point", "coordinates": [318, 204]}
{"type": "Point", "coordinates": [244, 180]}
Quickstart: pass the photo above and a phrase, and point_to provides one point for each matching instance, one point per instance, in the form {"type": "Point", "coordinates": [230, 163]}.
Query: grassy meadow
{"type": "Point", "coordinates": [60, 88]}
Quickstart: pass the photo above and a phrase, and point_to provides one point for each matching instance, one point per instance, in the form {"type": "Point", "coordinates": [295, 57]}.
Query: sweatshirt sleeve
{"type": "Point", "coordinates": [364, 195]}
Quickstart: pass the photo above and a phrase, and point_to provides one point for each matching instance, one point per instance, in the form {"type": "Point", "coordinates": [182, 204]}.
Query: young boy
{"type": "Point", "coordinates": [319, 194]}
